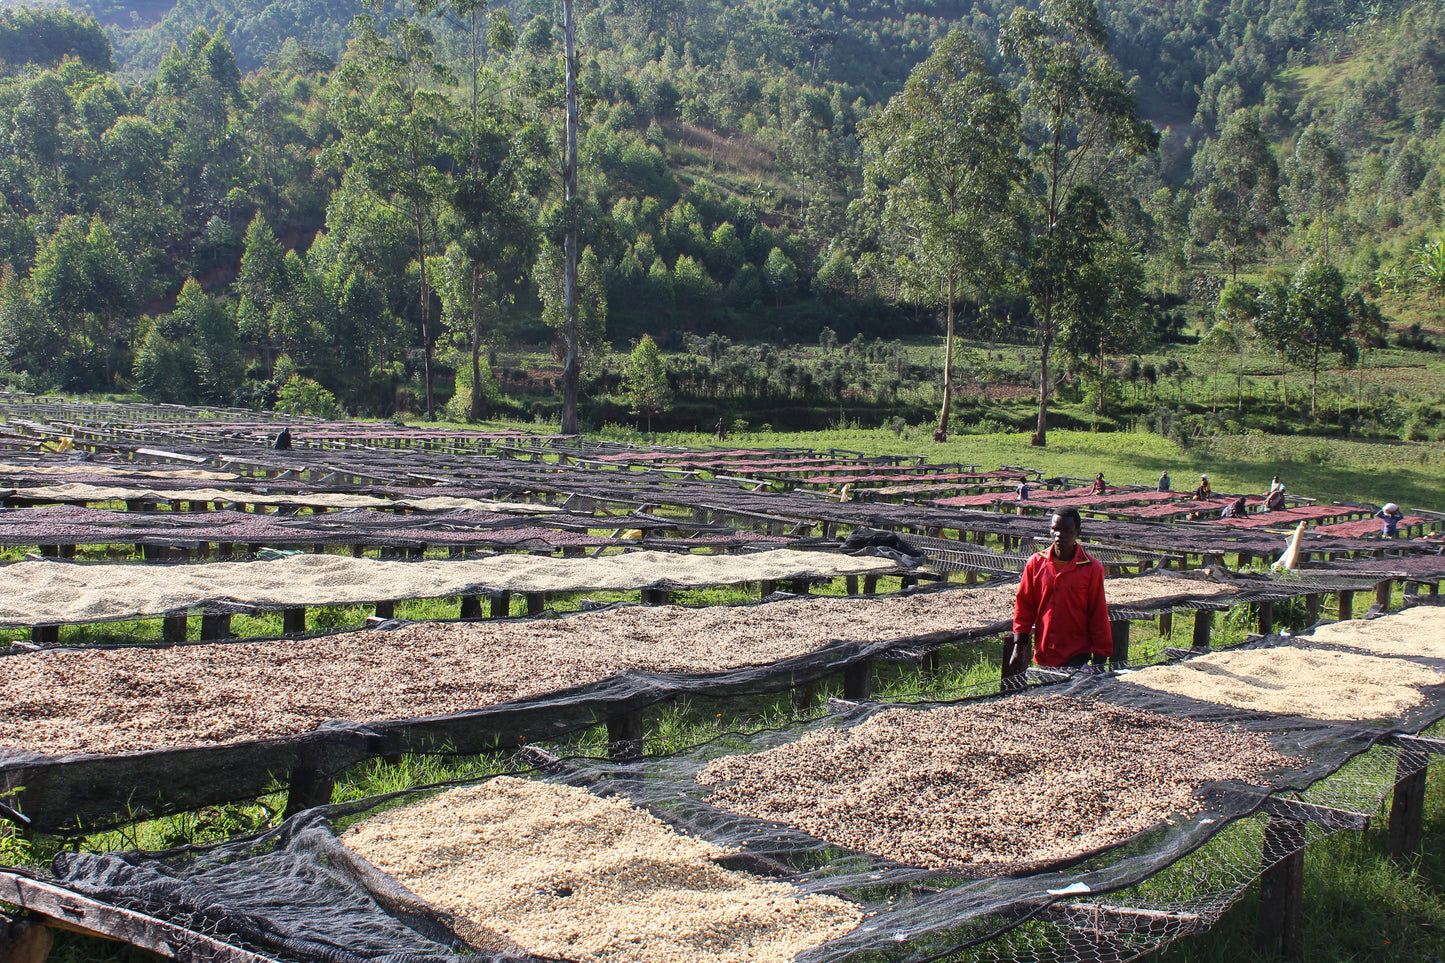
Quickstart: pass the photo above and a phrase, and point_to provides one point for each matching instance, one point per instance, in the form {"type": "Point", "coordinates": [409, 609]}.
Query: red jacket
{"type": "Point", "coordinates": [1062, 604]}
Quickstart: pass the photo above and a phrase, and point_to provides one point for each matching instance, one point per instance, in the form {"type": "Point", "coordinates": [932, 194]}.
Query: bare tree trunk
{"type": "Point", "coordinates": [941, 432]}
{"type": "Point", "coordinates": [1040, 437]}
{"type": "Point", "coordinates": [571, 372]}
{"type": "Point", "coordinates": [425, 307]}
{"type": "Point", "coordinates": [476, 405]}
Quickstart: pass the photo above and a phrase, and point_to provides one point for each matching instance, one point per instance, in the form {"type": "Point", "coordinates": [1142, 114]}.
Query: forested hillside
{"type": "Point", "coordinates": [259, 203]}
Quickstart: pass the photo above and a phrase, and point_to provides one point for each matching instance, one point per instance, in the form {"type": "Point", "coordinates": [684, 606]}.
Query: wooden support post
{"type": "Point", "coordinates": [624, 737]}
{"type": "Point", "coordinates": [1120, 628]}
{"type": "Point", "coordinates": [310, 784]}
{"type": "Point", "coordinates": [906, 582]}
{"type": "Point", "coordinates": [1244, 559]}
{"type": "Point", "coordinates": [1166, 624]}
{"type": "Point", "coordinates": [214, 627]}
{"type": "Point", "coordinates": [45, 635]}
{"type": "Point", "coordinates": [471, 607]}
{"type": "Point", "coordinates": [357, 551]}
{"type": "Point", "coordinates": [224, 550]}
{"type": "Point", "coordinates": [502, 605]}
{"type": "Point", "coordinates": [1281, 887]}
{"type": "Point", "coordinates": [49, 551]}
{"type": "Point", "coordinates": [385, 610]}
{"type": "Point", "coordinates": [767, 587]}
{"type": "Point", "coordinates": [656, 596]}
{"type": "Point", "coordinates": [1312, 607]}
{"type": "Point", "coordinates": [1203, 627]}
{"type": "Point", "coordinates": [536, 601]}
{"type": "Point", "coordinates": [29, 941]}
{"type": "Point", "coordinates": [293, 620]}
{"type": "Point", "coordinates": [1347, 606]}
{"type": "Point", "coordinates": [852, 583]}
{"type": "Point", "coordinates": [858, 681]}
{"type": "Point", "coordinates": [173, 628]}
{"type": "Point", "coordinates": [1407, 808]}
{"type": "Point", "coordinates": [801, 696]}
{"type": "Point", "coordinates": [1382, 594]}
{"type": "Point", "coordinates": [870, 585]}
{"type": "Point", "coordinates": [1266, 616]}
{"type": "Point", "coordinates": [931, 660]}
{"type": "Point", "coordinates": [799, 586]}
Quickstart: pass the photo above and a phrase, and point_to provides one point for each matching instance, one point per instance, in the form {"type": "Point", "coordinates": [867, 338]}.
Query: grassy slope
{"type": "Point", "coordinates": [1324, 468]}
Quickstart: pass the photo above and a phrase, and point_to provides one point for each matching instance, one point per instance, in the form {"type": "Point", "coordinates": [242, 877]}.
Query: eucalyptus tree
{"type": "Point", "coordinates": [394, 115]}
{"type": "Point", "coordinates": [1318, 181]}
{"type": "Point", "coordinates": [1101, 309]}
{"type": "Point", "coordinates": [1080, 106]}
{"type": "Point", "coordinates": [1237, 191]}
{"type": "Point", "coordinates": [942, 163]}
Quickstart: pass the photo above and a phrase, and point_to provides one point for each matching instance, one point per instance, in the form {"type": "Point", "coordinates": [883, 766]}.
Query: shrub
{"type": "Point", "coordinates": [302, 396]}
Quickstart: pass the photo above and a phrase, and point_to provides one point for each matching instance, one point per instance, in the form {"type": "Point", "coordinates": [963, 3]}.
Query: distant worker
{"type": "Point", "coordinates": [1235, 509]}
{"type": "Point", "coordinates": [283, 440]}
{"type": "Point", "coordinates": [1203, 492]}
{"type": "Point", "coordinates": [1060, 605]}
{"type": "Point", "coordinates": [721, 429]}
{"type": "Point", "coordinates": [1164, 480]}
{"type": "Point", "coordinates": [1391, 514]}
{"type": "Point", "coordinates": [1100, 487]}
{"type": "Point", "coordinates": [1022, 491]}
{"type": "Point", "coordinates": [1274, 498]}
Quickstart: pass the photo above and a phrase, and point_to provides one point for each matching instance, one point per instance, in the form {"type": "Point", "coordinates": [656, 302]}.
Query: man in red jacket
{"type": "Point", "coordinates": [1060, 602]}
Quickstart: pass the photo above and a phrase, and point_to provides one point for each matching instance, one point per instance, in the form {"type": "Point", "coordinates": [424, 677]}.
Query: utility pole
{"type": "Point", "coordinates": [571, 375]}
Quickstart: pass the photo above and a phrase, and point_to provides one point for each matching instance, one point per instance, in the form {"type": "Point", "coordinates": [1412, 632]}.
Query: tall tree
{"type": "Point", "coordinates": [1101, 309]}
{"type": "Point", "coordinates": [571, 324]}
{"type": "Point", "coordinates": [1233, 333]}
{"type": "Point", "coordinates": [1083, 107]}
{"type": "Point", "coordinates": [644, 381]}
{"type": "Point", "coordinates": [109, 280]}
{"type": "Point", "coordinates": [1313, 322]}
{"type": "Point", "coordinates": [1236, 181]}
{"type": "Point", "coordinates": [393, 119]}
{"type": "Point", "coordinates": [1318, 181]}
{"type": "Point", "coordinates": [941, 166]}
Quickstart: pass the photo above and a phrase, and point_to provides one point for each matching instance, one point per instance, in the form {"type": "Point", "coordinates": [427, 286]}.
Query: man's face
{"type": "Point", "coordinates": [1065, 533]}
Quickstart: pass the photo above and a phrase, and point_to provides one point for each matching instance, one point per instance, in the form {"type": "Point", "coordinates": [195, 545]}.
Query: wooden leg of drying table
{"type": "Point", "coordinates": [624, 737]}
{"type": "Point", "coordinates": [1407, 810]}
{"type": "Point", "coordinates": [1120, 657]}
{"type": "Point", "coordinates": [1281, 893]}
{"type": "Point", "coordinates": [858, 681]}
{"type": "Point", "coordinates": [310, 785]}
{"type": "Point", "coordinates": [1203, 627]}
{"type": "Point", "coordinates": [173, 629]}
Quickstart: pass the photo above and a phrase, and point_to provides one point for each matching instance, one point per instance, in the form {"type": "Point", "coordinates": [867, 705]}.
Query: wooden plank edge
{"type": "Point", "coordinates": [82, 914]}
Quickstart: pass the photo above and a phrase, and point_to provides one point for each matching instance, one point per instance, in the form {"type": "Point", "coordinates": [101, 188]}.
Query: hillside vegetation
{"type": "Point", "coordinates": [318, 205]}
